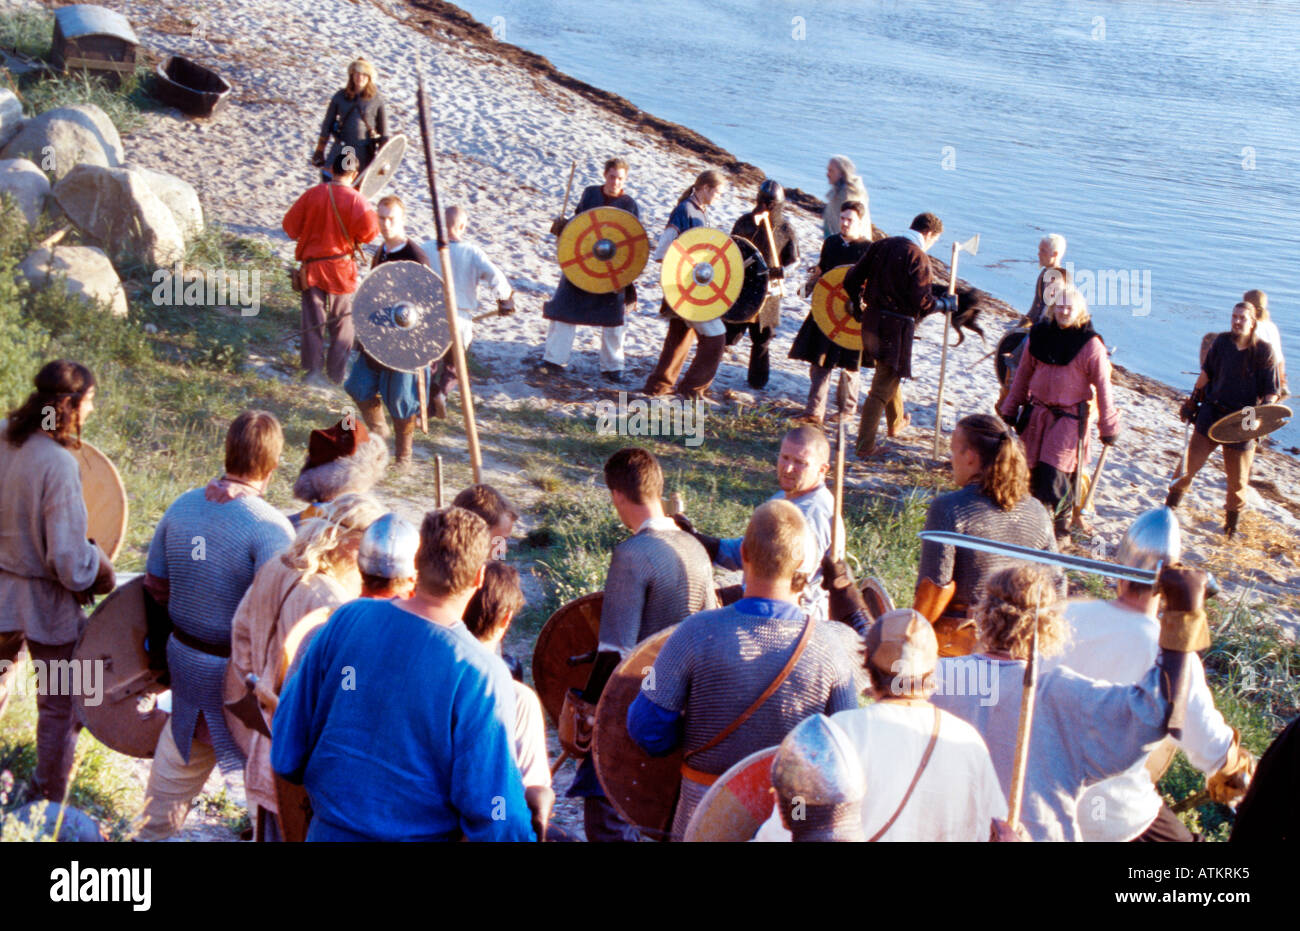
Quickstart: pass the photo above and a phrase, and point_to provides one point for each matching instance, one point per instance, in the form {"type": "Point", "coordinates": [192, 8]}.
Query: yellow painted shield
{"type": "Point", "coordinates": [603, 250]}
{"type": "Point", "coordinates": [830, 308]}
{"type": "Point", "coordinates": [702, 275]}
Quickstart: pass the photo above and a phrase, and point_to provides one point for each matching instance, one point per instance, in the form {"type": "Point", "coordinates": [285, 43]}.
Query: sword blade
{"type": "Point", "coordinates": [1094, 566]}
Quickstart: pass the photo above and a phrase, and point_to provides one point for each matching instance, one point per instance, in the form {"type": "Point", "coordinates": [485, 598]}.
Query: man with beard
{"type": "Point", "coordinates": [572, 307]}
{"type": "Point", "coordinates": [768, 229]}
{"type": "Point", "coordinates": [1239, 371]}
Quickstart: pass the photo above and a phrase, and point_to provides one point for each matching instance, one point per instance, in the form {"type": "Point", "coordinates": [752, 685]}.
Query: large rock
{"type": "Point", "coordinates": [26, 184]}
{"type": "Point", "coordinates": [60, 139]}
{"type": "Point", "coordinates": [179, 196]}
{"type": "Point", "coordinates": [11, 116]}
{"type": "Point", "coordinates": [41, 817]}
{"type": "Point", "coordinates": [117, 207]}
{"type": "Point", "coordinates": [89, 273]}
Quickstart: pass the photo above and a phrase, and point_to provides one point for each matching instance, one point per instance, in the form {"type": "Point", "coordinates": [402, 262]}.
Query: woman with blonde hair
{"type": "Point", "coordinates": [317, 573]}
{"type": "Point", "coordinates": [845, 186]}
{"type": "Point", "coordinates": [1063, 375]}
{"type": "Point", "coordinates": [356, 119]}
{"type": "Point", "coordinates": [992, 501]}
{"type": "Point", "coordinates": [1266, 331]}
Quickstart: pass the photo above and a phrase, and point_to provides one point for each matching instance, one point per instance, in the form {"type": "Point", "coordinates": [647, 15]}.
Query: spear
{"type": "Point", "coordinates": [448, 287]}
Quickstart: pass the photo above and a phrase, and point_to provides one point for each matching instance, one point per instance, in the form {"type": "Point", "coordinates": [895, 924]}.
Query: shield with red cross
{"type": "Point", "coordinates": [703, 274]}
{"type": "Point", "coordinates": [603, 250]}
{"type": "Point", "coordinates": [736, 806]}
{"type": "Point", "coordinates": [830, 308]}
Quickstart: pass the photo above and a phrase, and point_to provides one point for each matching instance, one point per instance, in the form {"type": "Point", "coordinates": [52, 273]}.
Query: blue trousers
{"type": "Point", "coordinates": [399, 390]}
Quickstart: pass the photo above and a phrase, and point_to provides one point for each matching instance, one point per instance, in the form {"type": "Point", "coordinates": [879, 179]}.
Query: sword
{"type": "Point", "coordinates": [1029, 554]}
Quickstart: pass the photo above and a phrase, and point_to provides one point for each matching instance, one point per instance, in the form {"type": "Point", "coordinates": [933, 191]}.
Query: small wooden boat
{"type": "Point", "coordinates": [190, 87]}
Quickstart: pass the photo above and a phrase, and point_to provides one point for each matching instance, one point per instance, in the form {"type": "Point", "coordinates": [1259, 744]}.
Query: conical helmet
{"type": "Point", "coordinates": [1153, 539]}
{"type": "Point", "coordinates": [388, 548]}
{"type": "Point", "coordinates": [817, 763]}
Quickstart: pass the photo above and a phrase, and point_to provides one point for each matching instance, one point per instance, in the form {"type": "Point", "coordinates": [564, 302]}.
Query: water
{"type": "Point", "coordinates": [1160, 138]}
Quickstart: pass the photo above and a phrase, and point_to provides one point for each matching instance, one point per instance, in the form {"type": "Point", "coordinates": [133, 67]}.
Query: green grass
{"type": "Point", "coordinates": [27, 32]}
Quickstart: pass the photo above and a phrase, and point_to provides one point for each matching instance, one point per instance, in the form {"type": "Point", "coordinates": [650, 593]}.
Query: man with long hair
{"type": "Point", "coordinates": [48, 569]}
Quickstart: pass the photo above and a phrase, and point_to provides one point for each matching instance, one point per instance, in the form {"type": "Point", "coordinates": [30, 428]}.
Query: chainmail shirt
{"type": "Point", "coordinates": [656, 578]}
{"type": "Point", "coordinates": [718, 662]}
{"type": "Point", "coordinates": [969, 511]}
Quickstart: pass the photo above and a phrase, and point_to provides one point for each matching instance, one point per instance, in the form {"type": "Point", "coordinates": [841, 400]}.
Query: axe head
{"type": "Point", "coordinates": [971, 245]}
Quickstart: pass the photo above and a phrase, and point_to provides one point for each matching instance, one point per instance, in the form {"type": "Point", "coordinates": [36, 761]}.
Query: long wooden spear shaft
{"type": "Point", "coordinates": [1021, 763]}
{"type": "Point", "coordinates": [449, 288]}
{"type": "Point", "coordinates": [943, 356]}
{"type": "Point", "coordinates": [837, 515]}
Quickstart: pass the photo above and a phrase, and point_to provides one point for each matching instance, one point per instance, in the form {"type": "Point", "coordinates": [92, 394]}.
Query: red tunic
{"type": "Point", "coordinates": [312, 223]}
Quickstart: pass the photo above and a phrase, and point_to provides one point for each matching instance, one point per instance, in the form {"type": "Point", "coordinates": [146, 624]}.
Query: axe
{"type": "Point", "coordinates": [972, 246]}
{"type": "Point", "coordinates": [1096, 477]}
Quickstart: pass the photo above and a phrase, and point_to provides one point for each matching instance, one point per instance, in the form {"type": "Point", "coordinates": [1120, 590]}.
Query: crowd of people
{"type": "Point", "coordinates": [385, 709]}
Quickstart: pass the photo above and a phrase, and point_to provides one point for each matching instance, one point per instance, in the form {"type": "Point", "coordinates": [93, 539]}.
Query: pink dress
{"type": "Point", "coordinates": [1051, 438]}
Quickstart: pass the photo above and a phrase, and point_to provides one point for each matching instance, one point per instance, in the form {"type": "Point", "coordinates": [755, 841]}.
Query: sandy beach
{"type": "Point", "coordinates": [506, 130]}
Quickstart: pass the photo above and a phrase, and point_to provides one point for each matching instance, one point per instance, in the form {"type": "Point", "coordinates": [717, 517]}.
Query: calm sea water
{"type": "Point", "coordinates": [1162, 139]}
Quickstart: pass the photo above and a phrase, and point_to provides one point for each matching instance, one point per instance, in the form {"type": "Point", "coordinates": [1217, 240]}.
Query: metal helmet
{"type": "Point", "coordinates": [388, 548]}
{"type": "Point", "coordinates": [770, 194]}
{"type": "Point", "coordinates": [1153, 539]}
{"type": "Point", "coordinates": [819, 782]}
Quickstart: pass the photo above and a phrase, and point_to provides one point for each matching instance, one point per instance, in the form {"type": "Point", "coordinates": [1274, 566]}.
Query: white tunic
{"type": "Point", "coordinates": [470, 267]}
{"type": "Point", "coordinates": [956, 798]}
{"type": "Point", "coordinates": [530, 737]}
{"type": "Point", "coordinates": [1112, 642]}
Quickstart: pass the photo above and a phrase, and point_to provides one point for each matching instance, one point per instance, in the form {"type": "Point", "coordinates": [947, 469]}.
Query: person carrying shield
{"type": "Point", "coordinates": [735, 680]}
{"type": "Point", "coordinates": [690, 213]}
{"type": "Point", "coordinates": [1065, 369]}
{"type": "Point", "coordinates": [356, 119]}
{"type": "Point", "coordinates": [811, 345]}
{"type": "Point", "coordinates": [895, 273]}
{"type": "Point", "coordinates": [572, 307]}
{"type": "Point", "coordinates": [330, 222]}
{"type": "Point", "coordinates": [1239, 373]}
{"type": "Point", "coordinates": [657, 577]}
{"type": "Point", "coordinates": [768, 229]}
{"type": "Point", "coordinates": [48, 569]}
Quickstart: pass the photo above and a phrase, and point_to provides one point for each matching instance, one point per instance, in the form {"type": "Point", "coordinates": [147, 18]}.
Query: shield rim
{"type": "Point", "coordinates": [756, 269]}
{"type": "Point", "coordinates": [552, 692]}
{"type": "Point", "coordinates": [361, 315]}
{"type": "Point", "coordinates": [713, 798]}
{"type": "Point", "coordinates": [96, 455]}
{"type": "Point", "coordinates": [640, 808]}
{"type": "Point", "coordinates": [571, 237]}
{"type": "Point", "coordinates": [824, 293]}
{"type": "Point", "coordinates": [391, 144]}
{"type": "Point", "coordinates": [873, 584]}
{"type": "Point", "coordinates": [1282, 412]}
{"type": "Point", "coordinates": [679, 259]}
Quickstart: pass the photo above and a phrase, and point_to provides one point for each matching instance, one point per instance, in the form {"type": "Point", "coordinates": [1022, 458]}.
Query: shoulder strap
{"type": "Point", "coordinates": [925, 759]}
{"type": "Point", "coordinates": [767, 693]}
{"type": "Point", "coordinates": [354, 248]}
{"type": "Point", "coordinates": [357, 104]}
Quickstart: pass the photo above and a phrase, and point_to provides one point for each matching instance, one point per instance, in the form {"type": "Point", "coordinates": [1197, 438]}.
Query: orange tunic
{"type": "Point", "coordinates": [312, 223]}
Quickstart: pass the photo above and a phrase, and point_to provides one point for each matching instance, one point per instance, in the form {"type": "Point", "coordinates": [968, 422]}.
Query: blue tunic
{"type": "Point", "coordinates": [401, 730]}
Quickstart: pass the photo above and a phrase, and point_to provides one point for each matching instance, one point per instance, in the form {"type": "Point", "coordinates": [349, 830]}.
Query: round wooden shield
{"type": "Point", "coordinates": [603, 250]}
{"type": "Point", "coordinates": [830, 309]}
{"type": "Point", "coordinates": [122, 716]}
{"type": "Point", "coordinates": [754, 290]}
{"type": "Point", "coordinates": [573, 630]}
{"type": "Point", "coordinates": [1007, 347]}
{"type": "Point", "coordinates": [642, 788]}
{"type": "Point", "coordinates": [1250, 423]}
{"type": "Point", "coordinates": [400, 315]}
{"type": "Point", "coordinates": [877, 599]}
{"type": "Point", "coordinates": [382, 167]}
{"type": "Point", "coordinates": [702, 275]}
{"type": "Point", "coordinates": [735, 806]}
{"type": "Point", "coordinates": [105, 496]}
{"type": "Point", "coordinates": [1206, 342]}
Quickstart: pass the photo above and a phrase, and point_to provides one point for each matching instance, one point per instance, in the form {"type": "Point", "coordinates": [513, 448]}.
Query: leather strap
{"type": "Point", "coordinates": [329, 189]}
{"type": "Point", "coordinates": [698, 775]}
{"type": "Point", "coordinates": [203, 646]}
{"type": "Point", "coordinates": [767, 693]}
{"type": "Point", "coordinates": [925, 760]}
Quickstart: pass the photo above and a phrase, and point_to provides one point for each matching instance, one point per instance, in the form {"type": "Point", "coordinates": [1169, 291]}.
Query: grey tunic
{"type": "Point", "coordinates": [1084, 731]}
{"type": "Point", "coordinates": [656, 578]}
{"type": "Point", "coordinates": [354, 122]}
{"type": "Point", "coordinates": [718, 662]}
{"type": "Point", "coordinates": [968, 511]}
{"type": "Point", "coordinates": [209, 551]}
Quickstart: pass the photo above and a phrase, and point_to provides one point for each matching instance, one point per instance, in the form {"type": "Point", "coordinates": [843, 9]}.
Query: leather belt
{"type": "Point", "coordinates": [203, 646]}
{"type": "Point", "coordinates": [699, 776]}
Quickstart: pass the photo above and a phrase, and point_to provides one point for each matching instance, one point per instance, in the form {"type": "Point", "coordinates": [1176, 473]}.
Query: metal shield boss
{"type": "Point", "coordinates": [830, 310]}
{"type": "Point", "coordinates": [123, 717]}
{"type": "Point", "coordinates": [572, 631]}
{"type": "Point", "coordinates": [754, 290]}
{"type": "Point", "coordinates": [382, 167]}
{"type": "Point", "coordinates": [735, 806]}
{"type": "Point", "coordinates": [1250, 423]}
{"type": "Point", "coordinates": [105, 497]}
{"type": "Point", "coordinates": [703, 274]}
{"type": "Point", "coordinates": [400, 316]}
{"type": "Point", "coordinates": [603, 250]}
{"type": "Point", "coordinates": [642, 788]}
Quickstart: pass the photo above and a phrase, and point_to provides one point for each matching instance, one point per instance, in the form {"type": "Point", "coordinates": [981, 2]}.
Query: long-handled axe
{"type": "Point", "coordinates": [972, 246]}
